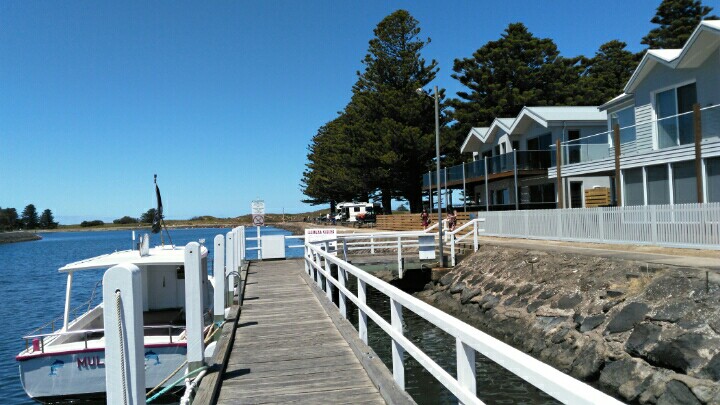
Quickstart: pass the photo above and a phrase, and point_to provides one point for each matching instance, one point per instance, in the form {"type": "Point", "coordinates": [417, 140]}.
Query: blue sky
{"type": "Point", "coordinates": [220, 99]}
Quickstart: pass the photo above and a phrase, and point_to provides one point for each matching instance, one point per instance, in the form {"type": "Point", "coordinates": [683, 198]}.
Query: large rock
{"type": "Point", "coordinates": [677, 393]}
{"type": "Point", "coordinates": [628, 376]}
{"type": "Point", "coordinates": [642, 338]}
{"type": "Point", "coordinates": [468, 293]}
{"type": "Point", "coordinates": [712, 369]}
{"type": "Point", "coordinates": [627, 318]}
{"type": "Point", "coordinates": [569, 301]}
{"type": "Point", "coordinates": [670, 312]}
{"type": "Point", "coordinates": [683, 353]}
{"type": "Point", "coordinates": [591, 322]}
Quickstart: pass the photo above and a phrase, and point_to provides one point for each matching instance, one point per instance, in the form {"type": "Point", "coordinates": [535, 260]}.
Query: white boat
{"type": "Point", "coordinates": [69, 363]}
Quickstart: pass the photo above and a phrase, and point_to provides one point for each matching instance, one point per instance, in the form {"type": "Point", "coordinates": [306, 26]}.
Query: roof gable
{"type": "Point", "coordinates": [702, 42]}
{"type": "Point", "coordinates": [473, 140]}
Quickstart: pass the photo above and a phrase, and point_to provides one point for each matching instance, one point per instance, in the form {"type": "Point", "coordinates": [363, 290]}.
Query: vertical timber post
{"type": "Point", "coordinates": [697, 121]}
{"type": "Point", "coordinates": [398, 353]}
{"type": "Point", "coordinates": [194, 307]}
{"type": "Point", "coordinates": [487, 192]}
{"type": "Point", "coordinates": [517, 192]}
{"type": "Point", "coordinates": [466, 366]}
{"type": "Point", "coordinates": [618, 185]}
{"type": "Point", "coordinates": [219, 275]}
{"type": "Point", "coordinates": [558, 174]}
{"type": "Point", "coordinates": [230, 257]}
{"type": "Point", "coordinates": [124, 338]}
{"type": "Point", "coordinates": [362, 316]}
{"type": "Point", "coordinates": [342, 300]}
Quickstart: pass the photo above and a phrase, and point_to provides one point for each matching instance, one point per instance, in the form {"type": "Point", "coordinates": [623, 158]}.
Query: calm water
{"type": "Point", "coordinates": [33, 291]}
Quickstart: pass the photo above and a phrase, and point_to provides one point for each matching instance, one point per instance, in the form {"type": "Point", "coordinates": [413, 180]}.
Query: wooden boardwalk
{"type": "Point", "coordinates": [287, 349]}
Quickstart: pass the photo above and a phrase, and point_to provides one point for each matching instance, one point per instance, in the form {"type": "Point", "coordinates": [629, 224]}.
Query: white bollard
{"type": "Point", "coordinates": [230, 266]}
{"type": "Point", "coordinates": [194, 307]}
{"type": "Point", "coordinates": [219, 274]}
{"type": "Point", "coordinates": [124, 338]}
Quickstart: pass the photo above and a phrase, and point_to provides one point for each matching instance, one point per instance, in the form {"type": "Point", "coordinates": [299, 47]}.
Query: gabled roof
{"type": "Point", "coordinates": [616, 101]}
{"type": "Point", "coordinates": [473, 140]}
{"type": "Point", "coordinates": [498, 124]}
{"type": "Point", "coordinates": [702, 42]}
{"type": "Point", "coordinates": [547, 115]}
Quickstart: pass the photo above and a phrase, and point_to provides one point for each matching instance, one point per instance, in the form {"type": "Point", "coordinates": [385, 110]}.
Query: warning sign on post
{"type": "Point", "coordinates": [258, 212]}
{"type": "Point", "coordinates": [317, 235]}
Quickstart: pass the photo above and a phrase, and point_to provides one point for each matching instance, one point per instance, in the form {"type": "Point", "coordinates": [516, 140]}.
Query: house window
{"type": "Point", "coordinates": [516, 145]}
{"type": "Point", "coordinates": [542, 193]}
{"type": "Point", "coordinates": [633, 179]}
{"type": "Point", "coordinates": [625, 119]}
{"type": "Point", "coordinates": [674, 126]}
{"type": "Point", "coordinates": [712, 169]}
{"type": "Point", "coordinates": [487, 153]}
{"type": "Point", "coordinates": [658, 187]}
{"type": "Point", "coordinates": [542, 142]}
{"type": "Point", "coordinates": [576, 194]}
{"type": "Point", "coordinates": [684, 183]}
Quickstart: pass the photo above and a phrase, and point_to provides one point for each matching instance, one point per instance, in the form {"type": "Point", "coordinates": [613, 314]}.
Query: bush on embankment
{"type": "Point", "coordinates": [644, 335]}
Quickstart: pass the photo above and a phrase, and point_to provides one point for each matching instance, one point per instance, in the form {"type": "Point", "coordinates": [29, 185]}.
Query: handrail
{"type": "Point", "coordinates": [81, 331]}
{"type": "Point", "coordinates": [454, 239]}
{"type": "Point", "coordinates": [468, 339]}
{"type": "Point", "coordinates": [59, 318]}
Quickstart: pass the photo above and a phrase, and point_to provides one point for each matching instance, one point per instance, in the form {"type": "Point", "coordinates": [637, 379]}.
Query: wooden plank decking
{"type": "Point", "coordinates": [286, 347]}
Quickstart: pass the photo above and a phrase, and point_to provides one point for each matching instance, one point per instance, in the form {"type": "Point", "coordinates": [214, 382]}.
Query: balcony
{"type": "Point", "coordinates": [528, 162]}
{"type": "Point", "coordinates": [643, 138]}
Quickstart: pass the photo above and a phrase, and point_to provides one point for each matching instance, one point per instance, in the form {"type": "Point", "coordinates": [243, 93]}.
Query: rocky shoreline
{"type": "Point", "coordinates": [644, 334]}
{"type": "Point", "coordinates": [13, 237]}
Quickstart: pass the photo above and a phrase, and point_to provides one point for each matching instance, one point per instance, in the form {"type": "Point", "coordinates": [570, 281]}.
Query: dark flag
{"type": "Point", "coordinates": [156, 226]}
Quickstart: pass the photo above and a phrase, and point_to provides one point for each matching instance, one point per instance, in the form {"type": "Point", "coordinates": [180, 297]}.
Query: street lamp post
{"type": "Point", "coordinates": [437, 173]}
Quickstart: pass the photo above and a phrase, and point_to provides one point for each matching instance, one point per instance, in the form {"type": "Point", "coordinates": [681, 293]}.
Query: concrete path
{"type": "Point", "coordinates": [695, 259]}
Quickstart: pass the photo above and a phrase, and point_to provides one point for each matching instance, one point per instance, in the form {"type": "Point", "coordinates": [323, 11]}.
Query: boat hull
{"type": "Point", "coordinates": [82, 373]}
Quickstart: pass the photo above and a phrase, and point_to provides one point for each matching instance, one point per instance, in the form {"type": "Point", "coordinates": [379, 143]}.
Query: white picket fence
{"type": "Point", "coordinates": [686, 226]}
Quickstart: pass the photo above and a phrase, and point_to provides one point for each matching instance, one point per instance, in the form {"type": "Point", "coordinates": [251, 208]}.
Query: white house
{"type": "Point", "coordinates": [667, 123]}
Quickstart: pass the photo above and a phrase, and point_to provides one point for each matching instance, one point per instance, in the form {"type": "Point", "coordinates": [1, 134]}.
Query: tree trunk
{"type": "Point", "coordinates": [333, 205]}
{"type": "Point", "coordinates": [387, 201]}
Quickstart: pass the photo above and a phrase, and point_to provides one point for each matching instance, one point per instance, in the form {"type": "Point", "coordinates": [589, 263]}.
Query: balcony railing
{"type": "Point", "coordinates": [671, 131]}
{"type": "Point", "coordinates": [473, 171]}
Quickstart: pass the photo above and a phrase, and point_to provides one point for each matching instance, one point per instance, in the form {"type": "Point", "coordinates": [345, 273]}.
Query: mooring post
{"type": "Point", "coordinates": [230, 257]}
{"type": "Point", "coordinates": [219, 275]}
{"type": "Point", "coordinates": [194, 307]}
{"type": "Point", "coordinates": [124, 338]}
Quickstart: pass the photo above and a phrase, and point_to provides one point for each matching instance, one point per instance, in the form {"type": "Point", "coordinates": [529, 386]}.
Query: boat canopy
{"type": "Point", "coordinates": [161, 255]}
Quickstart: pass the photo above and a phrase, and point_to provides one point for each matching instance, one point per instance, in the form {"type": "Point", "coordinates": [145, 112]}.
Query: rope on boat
{"type": "Point", "coordinates": [209, 336]}
{"type": "Point", "coordinates": [157, 387]}
{"type": "Point", "coordinates": [118, 310]}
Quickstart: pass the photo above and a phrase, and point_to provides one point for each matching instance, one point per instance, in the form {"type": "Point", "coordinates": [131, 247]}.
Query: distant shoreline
{"type": "Point", "coordinates": [18, 236]}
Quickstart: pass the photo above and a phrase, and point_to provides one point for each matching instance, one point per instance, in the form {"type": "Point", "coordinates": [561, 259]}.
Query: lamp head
{"type": "Point", "coordinates": [420, 91]}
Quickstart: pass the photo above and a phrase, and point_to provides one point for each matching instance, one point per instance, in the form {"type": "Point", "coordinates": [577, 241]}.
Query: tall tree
{"type": "Point", "coordinates": [395, 123]}
{"type": "Point", "coordinates": [676, 19]}
{"type": "Point", "coordinates": [334, 171]}
{"type": "Point", "coordinates": [517, 70]}
{"type": "Point", "coordinates": [47, 221]}
{"type": "Point", "coordinates": [29, 217]}
{"type": "Point", "coordinates": [8, 219]}
{"type": "Point", "coordinates": [148, 216]}
{"type": "Point", "coordinates": [606, 73]}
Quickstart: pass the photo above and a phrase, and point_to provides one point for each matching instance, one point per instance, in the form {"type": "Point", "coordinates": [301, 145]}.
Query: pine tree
{"type": "Point", "coordinates": [677, 19]}
{"type": "Point", "coordinates": [606, 73]}
{"type": "Point", "coordinates": [47, 221]}
{"type": "Point", "coordinates": [503, 76]}
{"type": "Point", "coordinates": [29, 217]}
{"type": "Point", "coordinates": [396, 124]}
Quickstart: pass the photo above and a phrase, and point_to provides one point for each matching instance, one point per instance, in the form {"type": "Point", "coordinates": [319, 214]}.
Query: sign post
{"type": "Point", "coordinates": [258, 212]}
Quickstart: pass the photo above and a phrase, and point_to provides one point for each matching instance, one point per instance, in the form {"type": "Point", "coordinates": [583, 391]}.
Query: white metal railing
{"type": "Point", "coordinates": [461, 233]}
{"type": "Point", "coordinates": [681, 225]}
{"type": "Point", "coordinates": [469, 340]}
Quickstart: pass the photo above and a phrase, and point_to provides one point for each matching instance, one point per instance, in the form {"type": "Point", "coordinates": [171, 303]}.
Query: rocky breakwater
{"type": "Point", "coordinates": [648, 335]}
